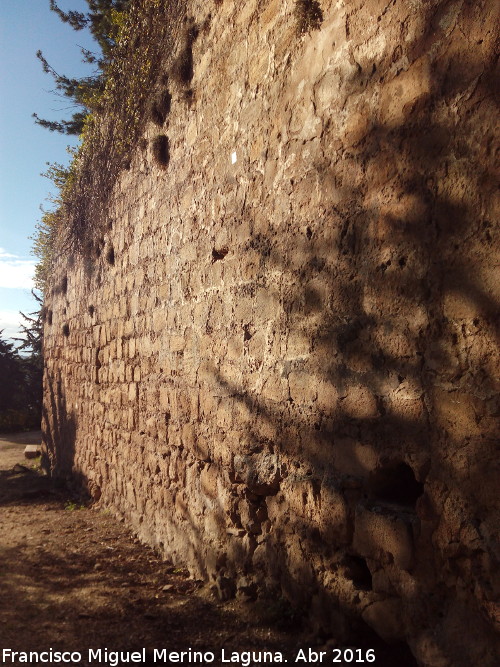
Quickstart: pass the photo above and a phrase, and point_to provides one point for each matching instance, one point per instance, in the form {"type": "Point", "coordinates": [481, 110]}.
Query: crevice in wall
{"type": "Point", "coordinates": [395, 483]}
{"type": "Point", "coordinates": [219, 254]}
{"type": "Point", "coordinates": [161, 150]}
{"type": "Point", "coordinates": [357, 570]}
{"type": "Point", "coordinates": [160, 107]}
{"type": "Point", "coordinates": [110, 256]}
{"type": "Point", "coordinates": [183, 67]}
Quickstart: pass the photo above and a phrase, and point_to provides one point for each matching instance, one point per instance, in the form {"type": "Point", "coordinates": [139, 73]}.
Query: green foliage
{"type": "Point", "coordinates": [71, 506]}
{"type": "Point", "coordinates": [31, 348]}
{"type": "Point", "coordinates": [48, 230]}
{"type": "Point", "coordinates": [21, 386]}
{"type": "Point", "coordinates": [11, 372]}
{"type": "Point", "coordinates": [105, 20]}
{"type": "Point", "coordinates": [136, 39]}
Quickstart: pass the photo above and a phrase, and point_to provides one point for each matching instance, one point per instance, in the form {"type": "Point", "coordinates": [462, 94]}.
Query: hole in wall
{"type": "Point", "coordinates": [389, 654]}
{"type": "Point", "coordinates": [64, 285]}
{"type": "Point", "coordinates": [160, 107]}
{"type": "Point", "coordinates": [358, 572]}
{"type": "Point", "coordinates": [308, 15]}
{"type": "Point", "coordinates": [188, 96]}
{"type": "Point", "coordinates": [49, 317]}
{"type": "Point", "coordinates": [98, 247]}
{"type": "Point", "coordinates": [91, 311]}
{"type": "Point", "coordinates": [161, 150]}
{"type": "Point", "coordinates": [309, 233]}
{"type": "Point", "coordinates": [395, 483]}
{"type": "Point", "coordinates": [398, 653]}
{"type": "Point", "coordinates": [110, 256]}
{"type": "Point", "coordinates": [183, 67]}
{"type": "Point", "coordinates": [219, 254]}
{"type": "Point", "coordinates": [65, 330]}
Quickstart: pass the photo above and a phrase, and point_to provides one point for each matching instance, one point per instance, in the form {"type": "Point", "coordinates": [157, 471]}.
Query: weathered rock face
{"type": "Point", "coordinates": [283, 367]}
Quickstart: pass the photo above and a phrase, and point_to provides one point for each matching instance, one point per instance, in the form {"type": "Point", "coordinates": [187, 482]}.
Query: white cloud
{"type": "Point", "coordinates": [4, 253]}
{"type": "Point", "coordinates": [10, 321]}
{"type": "Point", "coordinates": [15, 271]}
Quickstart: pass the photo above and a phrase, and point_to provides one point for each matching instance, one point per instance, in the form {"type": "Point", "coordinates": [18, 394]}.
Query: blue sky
{"type": "Point", "coordinates": [25, 148]}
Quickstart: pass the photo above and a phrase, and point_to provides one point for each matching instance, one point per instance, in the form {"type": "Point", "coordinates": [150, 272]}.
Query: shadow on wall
{"type": "Point", "coordinates": [59, 433]}
{"type": "Point", "coordinates": [378, 469]}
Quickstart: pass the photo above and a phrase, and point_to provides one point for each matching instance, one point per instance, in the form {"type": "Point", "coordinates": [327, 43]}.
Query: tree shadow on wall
{"type": "Point", "coordinates": [389, 299]}
{"type": "Point", "coordinates": [59, 426]}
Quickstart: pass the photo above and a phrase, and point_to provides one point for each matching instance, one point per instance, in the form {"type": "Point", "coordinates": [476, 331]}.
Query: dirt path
{"type": "Point", "coordinates": [73, 579]}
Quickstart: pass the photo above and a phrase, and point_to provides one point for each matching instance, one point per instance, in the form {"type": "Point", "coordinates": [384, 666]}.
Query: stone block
{"type": "Point", "coordinates": [359, 403]}
{"type": "Point", "coordinates": [384, 534]}
{"type": "Point", "coordinates": [351, 457]}
{"type": "Point", "coordinates": [260, 472]}
{"type": "Point", "coordinates": [386, 618]}
{"type": "Point", "coordinates": [400, 97]}
{"type": "Point", "coordinates": [303, 388]}
{"type": "Point", "coordinates": [32, 451]}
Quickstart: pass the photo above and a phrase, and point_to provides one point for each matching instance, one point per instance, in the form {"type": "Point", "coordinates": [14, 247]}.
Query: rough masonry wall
{"type": "Point", "coordinates": [283, 370]}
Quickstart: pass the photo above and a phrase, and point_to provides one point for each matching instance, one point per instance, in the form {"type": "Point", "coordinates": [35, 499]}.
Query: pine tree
{"type": "Point", "coordinates": [103, 21]}
{"type": "Point", "coordinates": [31, 343]}
{"type": "Point", "coordinates": [12, 385]}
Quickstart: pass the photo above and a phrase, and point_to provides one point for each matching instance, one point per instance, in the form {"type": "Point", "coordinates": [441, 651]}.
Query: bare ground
{"type": "Point", "coordinates": [72, 579]}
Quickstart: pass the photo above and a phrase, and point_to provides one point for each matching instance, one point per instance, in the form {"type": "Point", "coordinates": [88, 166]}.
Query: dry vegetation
{"type": "Point", "coordinates": [151, 41]}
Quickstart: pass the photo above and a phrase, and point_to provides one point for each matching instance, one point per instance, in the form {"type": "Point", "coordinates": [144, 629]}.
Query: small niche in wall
{"type": "Point", "coordinates": [64, 285]}
{"type": "Point", "coordinates": [161, 150]}
{"type": "Point", "coordinates": [358, 572]}
{"type": "Point", "coordinates": [219, 254]}
{"type": "Point", "coordinates": [160, 107]}
{"type": "Point", "coordinates": [91, 310]}
{"type": "Point", "coordinates": [98, 248]}
{"type": "Point", "coordinates": [49, 317]}
{"type": "Point", "coordinates": [395, 483]}
{"type": "Point", "coordinates": [110, 255]}
{"type": "Point", "coordinates": [65, 330]}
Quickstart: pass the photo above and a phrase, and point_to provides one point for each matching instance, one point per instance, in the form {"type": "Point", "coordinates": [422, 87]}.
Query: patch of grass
{"type": "Point", "coordinates": [71, 506]}
{"type": "Point", "coordinates": [278, 613]}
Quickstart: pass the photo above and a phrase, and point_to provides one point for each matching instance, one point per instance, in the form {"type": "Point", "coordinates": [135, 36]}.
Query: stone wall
{"type": "Point", "coordinates": [282, 369]}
